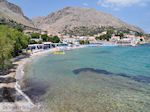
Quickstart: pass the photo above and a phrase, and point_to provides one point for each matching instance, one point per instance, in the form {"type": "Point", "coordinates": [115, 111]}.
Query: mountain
{"type": "Point", "coordinates": [80, 21]}
{"type": "Point", "coordinates": [10, 12]}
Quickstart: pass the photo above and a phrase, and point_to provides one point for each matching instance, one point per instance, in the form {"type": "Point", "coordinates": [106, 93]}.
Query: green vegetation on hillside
{"type": "Point", "coordinates": [106, 36]}
{"type": "Point", "coordinates": [12, 42]}
{"type": "Point", "coordinates": [120, 34]}
{"type": "Point", "coordinates": [12, 24]}
{"type": "Point", "coordinates": [84, 42]}
{"type": "Point", "coordinates": [139, 34]}
{"type": "Point", "coordinates": [54, 39]}
{"type": "Point", "coordinates": [35, 35]}
{"type": "Point", "coordinates": [44, 37]}
{"type": "Point", "coordinates": [82, 30]}
{"type": "Point", "coordinates": [6, 48]}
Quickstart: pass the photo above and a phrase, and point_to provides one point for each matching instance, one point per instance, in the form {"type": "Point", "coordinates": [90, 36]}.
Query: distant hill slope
{"type": "Point", "coordinates": [80, 21]}
{"type": "Point", "coordinates": [11, 12]}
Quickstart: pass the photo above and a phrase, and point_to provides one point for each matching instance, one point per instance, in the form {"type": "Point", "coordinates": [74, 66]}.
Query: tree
{"type": "Point", "coordinates": [139, 34]}
{"type": "Point", "coordinates": [35, 35]}
{"type": "Point", "coordinates": [110, 31]}
{"type": "Point", "coordinates": [5, 51]}
{"type": "Point", "coordinates": [19, 27]}
{"type": "Point", "coordinates": [33, 42]}
{"type": "Point", "coordinates": [104, 37]}
{"type": "Point", "coordinates": [84, 42]}
{"type": "Point", "coordinates": [120, 34]}
{"type": "Point", "coordinates": [54, 39]}
{"type": "Point", "coordinates": [45, 37]}
{"type": "Point", "coordinates": [81, 42]}
{"type": "Point", "coordinates": [12, 42]}
{"type": "Point", "coordinates": [20, 41]}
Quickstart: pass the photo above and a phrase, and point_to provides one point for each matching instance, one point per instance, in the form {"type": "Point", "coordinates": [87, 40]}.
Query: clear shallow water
{"type": "Point", "coordinates": [92, 79]}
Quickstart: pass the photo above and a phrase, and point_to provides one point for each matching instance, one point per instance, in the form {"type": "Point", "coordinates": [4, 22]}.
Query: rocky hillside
{"type": "Point", "coordinates": [11, 12]}
{"type": "Point", "coordinates": [80, 21]}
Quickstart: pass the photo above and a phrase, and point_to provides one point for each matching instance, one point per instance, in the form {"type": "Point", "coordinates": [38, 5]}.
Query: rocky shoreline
{"type": "Point", "coordinates": [12, 97]}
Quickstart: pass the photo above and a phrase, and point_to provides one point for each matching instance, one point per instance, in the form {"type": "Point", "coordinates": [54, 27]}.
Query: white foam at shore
{"type": "Point", "coordinates": [18, 89]}
{"type": "Point", "coordinates": [20, 70]}
{"type": "Point", "coordinates": [19, 76]}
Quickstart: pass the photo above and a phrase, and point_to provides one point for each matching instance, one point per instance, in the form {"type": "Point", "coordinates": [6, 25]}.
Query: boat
{"type": "Point", "coordinates": [58, 52]}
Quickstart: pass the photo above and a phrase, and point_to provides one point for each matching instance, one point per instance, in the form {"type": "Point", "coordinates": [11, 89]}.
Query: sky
{"type": "Point", "coordinates": [135, 12]}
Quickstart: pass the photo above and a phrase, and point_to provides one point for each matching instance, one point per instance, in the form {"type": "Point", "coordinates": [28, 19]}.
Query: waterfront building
{"type": "Point", "coordinates": [115, 38]}
{"type": "Point", "coordinates": [71, 41]}
{"type": "Point", "coordinates": [128, 39]}
{"type": "Point", "coordinates": [35, 47]}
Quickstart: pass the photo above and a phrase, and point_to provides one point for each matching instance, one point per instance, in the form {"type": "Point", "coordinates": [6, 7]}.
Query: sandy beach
{"type": "Point", "coordinates": [26, 103]}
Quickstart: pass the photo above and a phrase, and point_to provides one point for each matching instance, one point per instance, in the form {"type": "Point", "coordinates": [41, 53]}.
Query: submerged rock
{"type": "Point", "coordinates": [138, 78]}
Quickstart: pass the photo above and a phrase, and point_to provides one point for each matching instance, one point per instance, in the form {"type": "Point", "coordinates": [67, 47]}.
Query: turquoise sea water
{"type": "Point", "coordinates": [110, 79]}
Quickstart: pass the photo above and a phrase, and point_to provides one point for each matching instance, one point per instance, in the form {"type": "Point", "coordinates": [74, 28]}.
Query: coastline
{"type": "Point", "coordinates": [55, 80]}
{"type": "Point", "coordinates": [26, 103]}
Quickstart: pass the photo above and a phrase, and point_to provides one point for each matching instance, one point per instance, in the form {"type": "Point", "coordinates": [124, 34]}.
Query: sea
{"type": "Point", "coordinates": [91, 79]}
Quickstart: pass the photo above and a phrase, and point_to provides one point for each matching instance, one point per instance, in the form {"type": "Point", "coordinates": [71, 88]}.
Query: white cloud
{"type": "Point", "coordinates": [122, 3]}
{"type": "Point", "coordinates": [85, 4]}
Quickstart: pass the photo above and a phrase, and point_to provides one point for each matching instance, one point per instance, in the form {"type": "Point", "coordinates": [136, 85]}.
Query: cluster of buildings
{"type": "Point", "coordinates": [76, 39]}
{"type": "Point", "coordinates": [45, 45]}
{"type": "Point", "coordinates": [127, 39]}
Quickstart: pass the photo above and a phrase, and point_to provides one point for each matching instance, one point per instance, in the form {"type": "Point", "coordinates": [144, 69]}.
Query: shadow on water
{"type": "Point", "coordinates": [138, 78]}
{"type": "Point", "coordinates": [35, 89]}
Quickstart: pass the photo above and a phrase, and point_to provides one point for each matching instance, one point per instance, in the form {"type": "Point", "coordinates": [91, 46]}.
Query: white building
{"type": "Point", "coordinates": [70, 41]}
{"type": "Point", "coordinates": [115, 38]}
{"type": "Point", "coordinates": [36, 39]}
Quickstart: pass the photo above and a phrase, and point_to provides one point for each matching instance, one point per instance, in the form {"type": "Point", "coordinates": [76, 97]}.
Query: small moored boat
{"type": "Point", "coordinates": [58, 52]}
